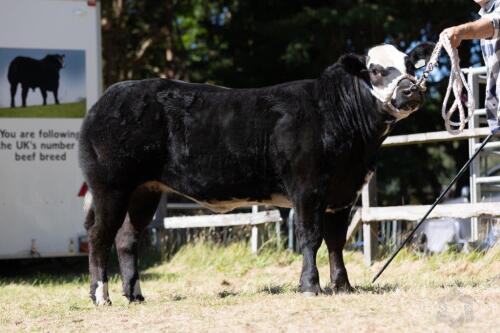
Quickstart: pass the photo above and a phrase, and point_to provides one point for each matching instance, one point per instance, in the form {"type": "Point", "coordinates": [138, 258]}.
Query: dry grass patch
{"type": "Point", "coordinates": [209, 288]}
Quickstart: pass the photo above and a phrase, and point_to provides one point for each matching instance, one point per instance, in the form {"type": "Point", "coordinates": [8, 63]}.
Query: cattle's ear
{"type": "Point", "coordinates": [420, 54]}
{"type": "Point", "coordinates": [63, 55]}
{"type": "Point", "coordinates": [353, 63]}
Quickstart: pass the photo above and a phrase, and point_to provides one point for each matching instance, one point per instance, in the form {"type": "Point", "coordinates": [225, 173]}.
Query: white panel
{"type": "Point", "coordinates": [38, 199]}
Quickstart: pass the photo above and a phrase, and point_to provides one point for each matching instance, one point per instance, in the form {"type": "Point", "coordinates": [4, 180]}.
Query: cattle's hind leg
{"type": "Point", "coordinates": [334, 232]}
{"type": "Point", "coordinates": [44, 96]}
{"type": "Point", "coordinates": [109, 211]}
{"type": "Point", "coordinates": [141, 209]}
{"type": "Point", "coordinates": [308, 215]}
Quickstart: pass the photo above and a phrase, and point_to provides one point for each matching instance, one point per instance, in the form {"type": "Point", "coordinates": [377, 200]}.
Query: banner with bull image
{"type": "Point", "coordinates": [42, 101]}
{"type": "Point", "coordinates": [42, 83]}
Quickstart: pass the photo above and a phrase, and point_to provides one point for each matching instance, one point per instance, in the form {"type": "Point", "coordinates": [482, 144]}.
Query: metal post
{"type": "Point", "coordinates": [278, 235]}
{"type": "Point", "coordinates": [255, 239]}
{"type": "Point", "coordinates": [394, 232]}
{"type": "Point", "coordinates": [370, 230]}
{"type": "Point", "coordinates": [291, 232]}
{"type": "Point", "coordinates": [473, 81]}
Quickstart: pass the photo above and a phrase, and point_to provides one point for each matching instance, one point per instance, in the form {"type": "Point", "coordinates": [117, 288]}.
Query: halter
{"type": "Point", "coordinates": [385, 95]}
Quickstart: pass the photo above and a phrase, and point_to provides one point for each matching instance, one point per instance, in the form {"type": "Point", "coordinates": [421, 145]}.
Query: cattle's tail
{"type": "Point", "coordinates": [87, 202]}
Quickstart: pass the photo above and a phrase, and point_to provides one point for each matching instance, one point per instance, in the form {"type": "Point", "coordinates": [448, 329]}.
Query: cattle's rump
{"type": "Point", "coordinates": [208, 143]}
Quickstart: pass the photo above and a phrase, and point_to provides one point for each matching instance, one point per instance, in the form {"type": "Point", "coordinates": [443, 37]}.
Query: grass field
{"type": "Point", "coordinates": [207, 288]}
{"type": "Point", "coordinates": [68, 110]}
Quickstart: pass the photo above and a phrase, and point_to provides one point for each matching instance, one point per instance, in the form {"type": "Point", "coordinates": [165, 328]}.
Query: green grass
{"type": "Point", "coordinates": [235, 258]}
{"type": "Point", "coordinates": [68, 110]}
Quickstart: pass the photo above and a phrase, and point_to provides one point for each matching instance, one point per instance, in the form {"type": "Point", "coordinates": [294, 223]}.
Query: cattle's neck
{"type": "Point", "coordinates": [351, 115]}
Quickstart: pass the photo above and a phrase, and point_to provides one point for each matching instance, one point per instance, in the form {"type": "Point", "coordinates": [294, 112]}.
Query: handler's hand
{"type": "Point", "coordinates": [454, 36]}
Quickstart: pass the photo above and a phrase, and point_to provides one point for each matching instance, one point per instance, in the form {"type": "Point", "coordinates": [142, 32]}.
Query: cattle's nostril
{"type": "Point", "coordinates": [408, 92]}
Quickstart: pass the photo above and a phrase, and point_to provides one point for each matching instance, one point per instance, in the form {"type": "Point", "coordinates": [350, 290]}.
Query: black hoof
{"type": "Point", "coordinates": [106, 302]}
{"type": "Point", "coordinates": [135, 299]}
{"type": "Point", "coordinates": [310, 291]}
{"type": "Point", "coordinates": [342, 288]}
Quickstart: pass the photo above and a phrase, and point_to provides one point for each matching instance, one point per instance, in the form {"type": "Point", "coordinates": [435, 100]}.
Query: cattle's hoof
{"type": "Point", "coordinates": [344, 288]}
{"type": "Point", "coordinates": [135, 299]}
{"type": "Point", "coordinates": [103, 302]}
{"type": "Point", "coordinates": [308, 294]}
{"type": "Point", "coordinates": [311, 291]}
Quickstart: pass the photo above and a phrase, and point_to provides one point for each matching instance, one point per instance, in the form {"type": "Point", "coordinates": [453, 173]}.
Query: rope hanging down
{"type": "Point", "coordinates": [456, 85]}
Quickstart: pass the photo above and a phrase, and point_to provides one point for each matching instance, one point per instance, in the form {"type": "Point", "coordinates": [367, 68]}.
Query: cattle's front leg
{"type": "Point", "coordinates": [56, 98]}
{"type": "Point", "coordinates": [141, 210]}
{"type": "Point", "coordinates": [24, 94]}
{"type": "Point", "coordinates": [334, 232]}
{"type": "Point", "coordinates": [308, 231]}
{"type": "Point", "coordinates": [108, 213]}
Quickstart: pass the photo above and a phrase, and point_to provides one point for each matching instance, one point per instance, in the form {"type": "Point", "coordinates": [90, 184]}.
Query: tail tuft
{"type": "Point", "coordinates": [87, 202]}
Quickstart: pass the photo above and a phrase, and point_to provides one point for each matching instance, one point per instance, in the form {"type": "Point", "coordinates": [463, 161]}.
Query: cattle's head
{"type": "Point", "coordinates": [56, 60]}
{"type": "Point", "coordinates": [391, 76]}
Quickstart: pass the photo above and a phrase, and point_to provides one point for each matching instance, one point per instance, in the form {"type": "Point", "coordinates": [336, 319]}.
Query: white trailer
{"type": "Point", "coordinates": [40, 181]}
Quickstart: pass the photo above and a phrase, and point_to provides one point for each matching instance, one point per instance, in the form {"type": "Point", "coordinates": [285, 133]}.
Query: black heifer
{"type": "Point", "coordinates": [33, 73]}
{"type": "Point", "coordinates": [308, 144]}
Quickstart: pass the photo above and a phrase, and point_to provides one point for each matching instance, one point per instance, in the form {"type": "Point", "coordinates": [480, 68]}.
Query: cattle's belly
{"type": "Point", "coordinates": [219, 206]}
{"type": "Point", "coordinates": [224, 206]}
{"type": "Point", "coordinates": [277, 200]}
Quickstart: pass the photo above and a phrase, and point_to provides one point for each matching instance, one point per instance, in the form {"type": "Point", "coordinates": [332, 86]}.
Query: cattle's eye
{"type": "Point", "coordinates": [378, 72]}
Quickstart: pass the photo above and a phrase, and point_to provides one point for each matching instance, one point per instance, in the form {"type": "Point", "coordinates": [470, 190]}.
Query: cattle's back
{"type": "Point", "coordinates": [199, 139]}
{"type": "Point", "coordinates": [229, 143]}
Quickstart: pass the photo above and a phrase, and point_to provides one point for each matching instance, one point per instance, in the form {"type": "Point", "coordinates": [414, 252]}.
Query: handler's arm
{"type": "Point", "coordinates": [484, 28]}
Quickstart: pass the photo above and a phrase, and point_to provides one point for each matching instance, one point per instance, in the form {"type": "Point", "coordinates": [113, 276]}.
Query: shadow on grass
{"type": "Point", "coordinates": [376, 289]}
{"type": "Point", "coordinates": [39, 271]}
{"type": "Point", "coordinates": [44, 271]}
{"type": "Point", "coordinates": [462, 284]}
{"type": "Point", "coordinates": [273, 290]}
{"type": "Point", "coordinates": [327, 290]}
{"type": "Point", "coordinates": [177, 298]}
{"type": "Point", "coordinates": [226, 293]}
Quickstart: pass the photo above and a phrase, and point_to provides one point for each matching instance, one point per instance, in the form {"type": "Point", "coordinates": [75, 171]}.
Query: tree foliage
{"type": "Point", "coordinates": [249, 43]}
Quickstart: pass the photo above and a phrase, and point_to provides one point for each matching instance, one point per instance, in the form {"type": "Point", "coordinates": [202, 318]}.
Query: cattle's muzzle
{"type": "Point", "coordinates": [407, 98]}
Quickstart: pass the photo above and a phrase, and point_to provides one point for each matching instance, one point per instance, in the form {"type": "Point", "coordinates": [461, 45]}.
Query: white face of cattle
{"type": "Point", "coordinates": [392, 77]}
